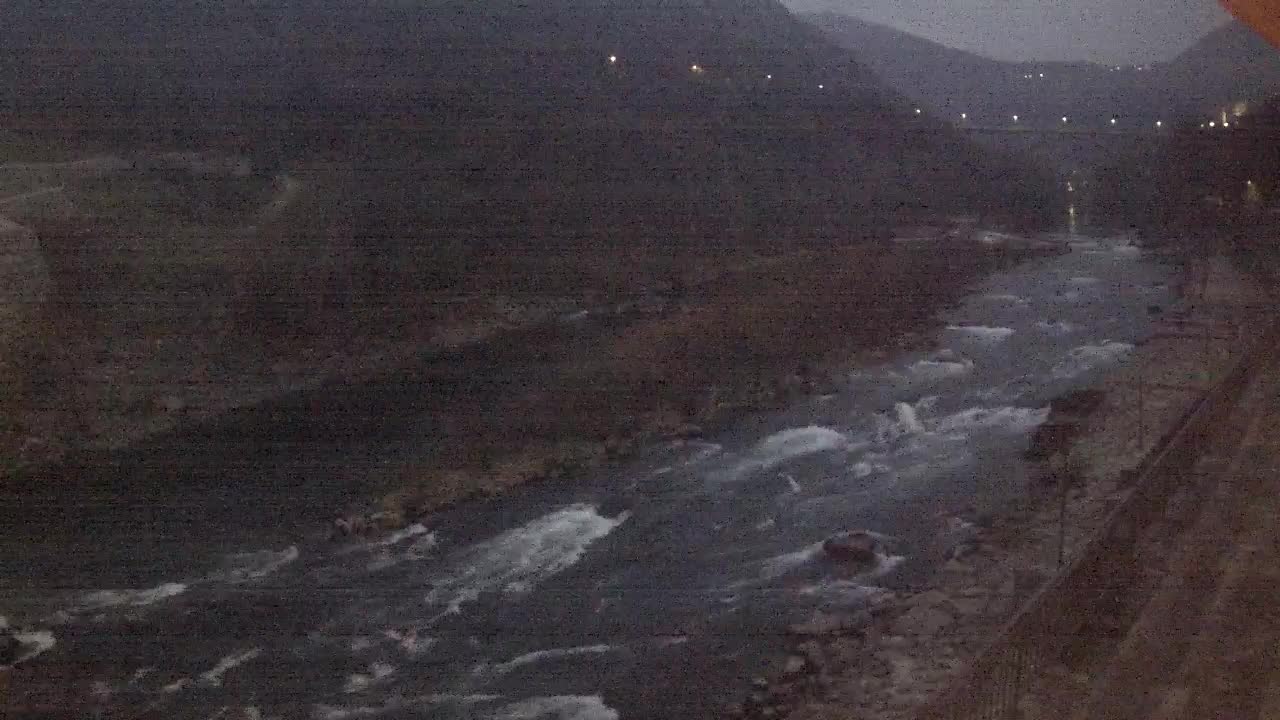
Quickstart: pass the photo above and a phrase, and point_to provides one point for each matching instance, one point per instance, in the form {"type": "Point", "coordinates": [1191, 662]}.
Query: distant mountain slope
{"type": "Point", "coordinates": [989, 91]}
{"type": "Point", "coordinates": [509, 114]}
{"type": "Point", "coordinates": [1226, 66]}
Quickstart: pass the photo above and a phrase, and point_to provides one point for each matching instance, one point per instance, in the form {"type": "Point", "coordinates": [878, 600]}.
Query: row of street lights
{"type": "Point", "coordinates": [697, 69]}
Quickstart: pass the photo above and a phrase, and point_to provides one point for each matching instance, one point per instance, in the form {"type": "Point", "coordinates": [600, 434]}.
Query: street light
{"type": "Point", "coordinates": [822, 87]}
{"type": "Point", "coordinates": [1159, 124]}
{"type": "Point", "coordinates": [695, 68]}
{"type": "Point", "coordinates": [1015, 118]}
{"type": "Point", "coordinates": [964, 116]}
{"type": "Point", "coordinates": [1113, 121]}
{"type": "Point", "coordinates": [917, 111]}
{"type": "Point", "coordinates": [768, 77]}
{"type": "Point", "coordinates": [1064, 119]}
{"type": "Point", "coordinates": [613, 58]}
{"type": "Point", "coordinates": [1213, 123]}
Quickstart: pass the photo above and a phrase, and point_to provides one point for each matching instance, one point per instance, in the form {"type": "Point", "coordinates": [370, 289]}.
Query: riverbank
{"type": "Point", "coordinates": [890, 661]}
{"type": "Point", "coordinates": [744, 336]}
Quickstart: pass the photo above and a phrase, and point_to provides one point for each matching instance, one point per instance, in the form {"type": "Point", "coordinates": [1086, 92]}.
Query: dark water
{"type": "Point", "coordinates": [654, 590]}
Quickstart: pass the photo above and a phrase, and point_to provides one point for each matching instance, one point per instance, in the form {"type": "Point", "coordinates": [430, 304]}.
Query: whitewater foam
{"type": "Point", "coordinates": [1088, 357]}
{"type": "Point", "coordinates": [359, 682]}
{"type": "Point", "coordinates": [908, 419]}
{"type": "Point", "coordinates": [796, 442]}
{"type": "Point", "coordinates": [940, 369]}
{"type": "Point", "coordinates": [538, 656]}
{"type": "Point", "coordinates": [33, 642]}
{"type": "Point", "coordinates": [518, 559]}
{"type": "Point", "coordinates": [213, 676]}
{"type": "Point", "coordinates": [780, 565]}
{"type": "Point", "coordinates": [402, 534]}
{"type": "Point", "coordinates": [1008, 418]}
{"type": "Point", "coordinates": [983, 333]}
{"type": "Point", "coordinates": [410, 642]}
{"type": "Point", "coordinates": [1060, 327]}
{"type": "Point", "coordinates": [557, 707]}
{"type": "Point", "coordinates": [103, 599]}
{"type": "Point", "coordinates": [254, 565]}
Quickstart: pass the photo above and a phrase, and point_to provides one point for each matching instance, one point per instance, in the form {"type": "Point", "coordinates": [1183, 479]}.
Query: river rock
{"type": "Point", "coordinates": [794, 666]}
{"type": "Point", "coordinates": [822, 624]}
{"type": "Point", "coordinates": [813, 656]}
{"type": "Point", "coordinates": [170, 404]}
{"type": "Point", "coordinates": [1052, 438]}
{"type": "Point", "coordinates": [1077, 404]}
{"type": "Point", "coordinates": [10, 648]}
{"type": "Point", "coordinates": [856, 546]}
{"type": "Point", "coordinates": [922, 620]}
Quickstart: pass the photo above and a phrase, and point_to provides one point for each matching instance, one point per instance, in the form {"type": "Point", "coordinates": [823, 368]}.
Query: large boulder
{"type": "Point", "coordinates": [854, 546]}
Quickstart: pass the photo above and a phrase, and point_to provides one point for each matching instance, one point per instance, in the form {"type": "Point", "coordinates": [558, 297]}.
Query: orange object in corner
{"type": "Point", "coordinates": [1261, 15]}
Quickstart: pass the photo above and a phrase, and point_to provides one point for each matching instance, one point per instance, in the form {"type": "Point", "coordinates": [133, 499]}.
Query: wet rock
{"type": "Point", "coordinates": [970, 606]}
{"type": "Point", "coordinates": [1052, 438]}
{"type": "Point", "coordinates": [923, 621]}
{"type": "Point", "coordinates": [822, 624]}
{"type": "Point", "coordinates": [794, 666]}
{"type": "Point", "coordinates": [1077, 404]}
{"type": "Point", "coordinates": [930, 598]}
{"type": "Point", "coordinates": [10, 648]}
{"type": "Point", "coordinates": [171, 404]}
{"type": "Point", "coordinates": [856, 546]}
{"type": "Point", "coordinates": [813, 656]}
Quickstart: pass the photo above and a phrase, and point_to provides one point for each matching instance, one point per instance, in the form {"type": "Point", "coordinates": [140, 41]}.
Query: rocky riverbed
{"type": "Point", "coordinates": [889, 660]}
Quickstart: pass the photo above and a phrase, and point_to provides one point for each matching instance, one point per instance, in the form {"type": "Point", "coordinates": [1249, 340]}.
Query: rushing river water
{"type": "Point", "coordinates": [654, 590]}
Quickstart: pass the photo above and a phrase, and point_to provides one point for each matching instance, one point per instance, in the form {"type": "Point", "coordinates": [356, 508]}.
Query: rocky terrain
{"type": "Point", "coordinates": [890, 659]}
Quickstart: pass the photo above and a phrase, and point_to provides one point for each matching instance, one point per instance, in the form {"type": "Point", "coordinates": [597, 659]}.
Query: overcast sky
{"type": "Point", "coordinates": [1115, 31]}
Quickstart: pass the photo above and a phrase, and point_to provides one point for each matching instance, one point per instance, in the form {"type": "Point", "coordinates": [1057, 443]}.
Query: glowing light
{"type": "Point", "coordinates": [1159, 123]}
{"type": "Point", "coordinates": [1113, 121]}
{"type": "Point", "coordinates": [822, 87]}
{"type": "Point", "coordinates": [613, 58]}
{"type": "Point", "coordinates": [1213, 123]}
{"type": "Point", "coordinates": [1064, 118]}
{"type": "Point", "coordinates": [1226, 124]}
{"type": "Point", "coordinates": [1041, 74]}
{"type": "Point", "coordinates": [917, 111]}
{"type": "Point", "coordinates": [695, 68]}
{"type": "Point", "coordinates": [768, 77]}
{"type": "Point", "coordinates": [1015, 118]}
{"type": "Point", "coordinates": [964, 116]}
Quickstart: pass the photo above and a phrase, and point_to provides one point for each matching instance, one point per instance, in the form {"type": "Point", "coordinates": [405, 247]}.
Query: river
{"type": "Point", "coordinates": [657, 589]}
